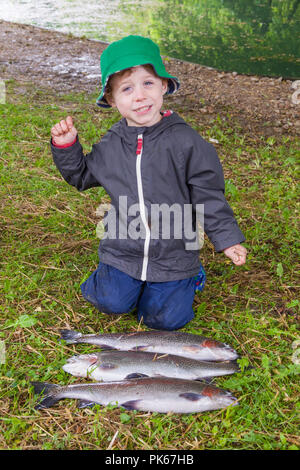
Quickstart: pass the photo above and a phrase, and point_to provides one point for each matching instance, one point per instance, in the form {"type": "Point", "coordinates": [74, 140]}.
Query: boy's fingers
{"type": "Point", "coordinates": [239, 258]}
{"type": "Point", "coordinates": [69, 122]}
{"type": "Point", "coordinates": [239, 263]}
{"type": "Point", "coordinates": [57, 128]}
{"type": "Point", "coordinates": [239, 250]}
{"type": "Point", "coordinates": [64, 126]}
{"type": "Point", "coordinates": [237, 254]}
{"type": "Point", "coordinates": [54, 131]}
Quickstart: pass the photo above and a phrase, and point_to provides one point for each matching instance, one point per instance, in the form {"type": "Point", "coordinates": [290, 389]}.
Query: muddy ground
{"type": "Point", "coordinates": [65, 63]}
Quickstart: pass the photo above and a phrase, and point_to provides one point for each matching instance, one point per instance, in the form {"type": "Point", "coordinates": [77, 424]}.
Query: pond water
{"type": "Point", "coordinates": [259, 37]}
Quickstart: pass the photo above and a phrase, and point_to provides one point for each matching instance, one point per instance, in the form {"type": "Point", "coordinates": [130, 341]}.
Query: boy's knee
{"type": "Point", "coordinates": [166, 318]}
{"type": "Point", "coordinates": [163, 324]}
{"type": "Point", "coordinates": [113, 306]}
{"type": "Point", "coordinates": [110, 291]}
{"type": "Point", "coordinates": [167, 306]}
{"type": "Point", "coordinates": [107, 302]}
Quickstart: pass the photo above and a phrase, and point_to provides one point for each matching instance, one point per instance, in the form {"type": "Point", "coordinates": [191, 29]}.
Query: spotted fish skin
{"type": "Point", "coordinates": [166, 342]}
{"type": "Point", "coordinates": [154, 394]}
{"type": "Point", "coordinates": [119, 365]}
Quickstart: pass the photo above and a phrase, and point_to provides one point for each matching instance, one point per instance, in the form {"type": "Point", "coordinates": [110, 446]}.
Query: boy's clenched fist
{"type": "Point", "coordinates": [64, 132]}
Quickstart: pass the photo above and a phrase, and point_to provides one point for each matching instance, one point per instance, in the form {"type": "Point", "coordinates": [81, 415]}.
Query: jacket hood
{"type": "Point", "coordinates": [128, 133]}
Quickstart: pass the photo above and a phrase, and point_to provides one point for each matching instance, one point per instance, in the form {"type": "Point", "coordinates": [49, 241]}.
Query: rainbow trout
{"type": "Point", "coordinates": [160, 394]}
{"type": "Point", "coordinates": [166, 342]}
{"type": "Point", "coordinates": [119, 365]}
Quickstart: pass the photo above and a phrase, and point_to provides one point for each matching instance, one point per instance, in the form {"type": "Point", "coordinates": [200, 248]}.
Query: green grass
{"type": "Point", "coordinates": [49, 246]}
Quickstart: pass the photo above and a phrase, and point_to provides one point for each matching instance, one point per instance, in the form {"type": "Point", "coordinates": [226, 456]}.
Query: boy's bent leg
{"type": "Point", "coordinates": [111, 290]}
{"type": "Point", "coordinates": [167, 305]}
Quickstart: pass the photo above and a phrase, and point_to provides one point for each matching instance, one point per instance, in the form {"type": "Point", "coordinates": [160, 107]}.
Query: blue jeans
{"type": "Point", "coordinates": [162, 305]}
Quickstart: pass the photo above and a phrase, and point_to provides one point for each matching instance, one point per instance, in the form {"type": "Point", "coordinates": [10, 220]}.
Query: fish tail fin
{"type": "Point", "coordinates": [70, 336]}
{"type": "Point", "coordinates": [49, 390]}
{"type": "Point", "coordinates": [236, 364]}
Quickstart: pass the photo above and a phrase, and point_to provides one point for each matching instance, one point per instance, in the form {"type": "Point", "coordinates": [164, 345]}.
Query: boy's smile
{"type": "Point", "coordinates": [138, 95]}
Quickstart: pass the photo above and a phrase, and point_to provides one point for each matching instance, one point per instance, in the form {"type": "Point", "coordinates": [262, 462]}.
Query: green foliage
{"type": "Point", "coordinates": [246, 36]}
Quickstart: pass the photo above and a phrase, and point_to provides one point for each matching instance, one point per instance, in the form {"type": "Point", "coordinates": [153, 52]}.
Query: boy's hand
{"type": "Point", "coordinates": [237, 254]}
{"type": "Point", "coordinates": [64, 132]}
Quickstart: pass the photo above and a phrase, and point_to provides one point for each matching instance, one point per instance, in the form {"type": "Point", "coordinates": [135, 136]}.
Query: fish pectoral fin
{"type": "Point", "coordinates": [106, 365]}
{"type": "Point", "coordinates": [136, 375]}
{"type": "Point", "coordinates": [191, 396]}
{"type": "Point", "coordinates": [140, 348]}
{"type": "Point", "coordinates": [85, 404]}
{"type": "Point", "coordinates": [131, 405]}
{"type": "Point", "coordinates": [106, 347]}
{"type": "Point", "coordinates": [207, 380]}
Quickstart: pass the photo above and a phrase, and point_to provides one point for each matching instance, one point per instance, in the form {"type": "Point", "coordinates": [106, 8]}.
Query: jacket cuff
{"type": "Point", "coordinates": [63, 146]}
{"type": "Point", "coordinates": [234, 239]}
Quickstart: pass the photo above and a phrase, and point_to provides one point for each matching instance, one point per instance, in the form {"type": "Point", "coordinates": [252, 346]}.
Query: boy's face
{"type": "Point", "coordinates": [138, 96]}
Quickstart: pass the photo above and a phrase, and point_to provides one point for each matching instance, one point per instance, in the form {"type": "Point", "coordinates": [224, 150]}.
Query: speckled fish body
{"type": "Point", "coordinates": [160, 394]}
{"type": "Point", "coordinates": [119, 365]}
{"type": "Point", "coordinates": [166, 342]}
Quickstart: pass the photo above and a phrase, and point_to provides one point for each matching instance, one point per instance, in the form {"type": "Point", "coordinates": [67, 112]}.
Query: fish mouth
{"type": "Point", "coordinates": [232, 352]}
{"type": "Point", "coordinates": [222, 354]}
{"type": "Point", "coordinates": [90, 359]}
{"type": "Point", "coordinates": [228, 398]}
{"type": "Point", "coordinates": [223, 397]}
{"type": "Point", "coordinates": [80, 365]}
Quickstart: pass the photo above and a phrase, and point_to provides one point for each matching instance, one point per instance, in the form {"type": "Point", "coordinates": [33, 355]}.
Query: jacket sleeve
{"type": "Point", "coordinates": [205, 178]}
{"type": "Point", "coordinates": [73, 165]}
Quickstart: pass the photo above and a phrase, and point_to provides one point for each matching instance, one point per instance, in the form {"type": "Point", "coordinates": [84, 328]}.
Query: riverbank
{"type": "Point", "coordinates": [65, 63]}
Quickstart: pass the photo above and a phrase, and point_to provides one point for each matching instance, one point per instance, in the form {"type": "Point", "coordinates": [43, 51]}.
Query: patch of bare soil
{"type": "Point", "coordinates": [65, 63]}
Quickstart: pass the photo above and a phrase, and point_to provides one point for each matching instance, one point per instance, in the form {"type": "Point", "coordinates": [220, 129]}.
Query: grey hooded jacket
{"type": "Point", "coordinates": [165, 164]}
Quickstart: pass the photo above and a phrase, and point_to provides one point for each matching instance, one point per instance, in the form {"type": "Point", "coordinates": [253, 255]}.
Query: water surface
{"type": "Point", "coordinates": [247, 36]}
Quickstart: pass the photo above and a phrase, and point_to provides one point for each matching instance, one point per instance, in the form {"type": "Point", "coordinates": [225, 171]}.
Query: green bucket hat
{"type": "Point", "coordinates": [132, 51]}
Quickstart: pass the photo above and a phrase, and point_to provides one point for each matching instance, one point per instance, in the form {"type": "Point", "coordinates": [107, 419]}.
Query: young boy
{"type": "Point", "coordinates": [148, 160]}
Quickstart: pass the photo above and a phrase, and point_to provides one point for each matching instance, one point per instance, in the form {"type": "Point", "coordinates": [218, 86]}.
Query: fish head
{"type": "Point", "coordinates": [79, 365]}
{"type": "Point", "coordinates": [219, 351]}
{"type": "Point", "coordinates": [210, 398]}
{"type": "Point", "coordinates": [217, 398]}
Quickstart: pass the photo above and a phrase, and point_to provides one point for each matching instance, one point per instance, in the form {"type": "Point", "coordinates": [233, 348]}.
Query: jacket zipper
{"type": "Point", "coordinates": [139, 152]}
